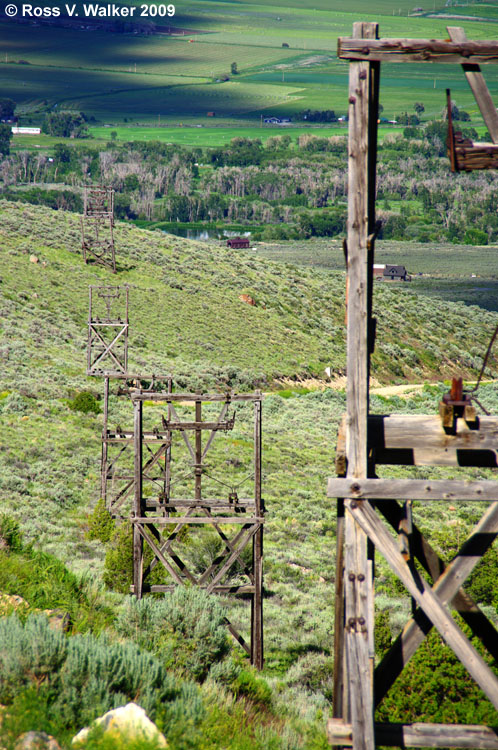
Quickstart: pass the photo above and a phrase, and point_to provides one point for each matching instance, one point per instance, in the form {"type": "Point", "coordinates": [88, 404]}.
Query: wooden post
{"type": "Point", "coordinates": [357, 587]}
{"type": "Point", "coordinates": [257, 600]}
{"type": "Point", "coordinates": [103, 468]}
{"type": "Point", "coordinates": [338, 690]}
{"type": "Point", "coordinates": [198, 451]}
{"type": "Point", "coordinates": [138, 502]}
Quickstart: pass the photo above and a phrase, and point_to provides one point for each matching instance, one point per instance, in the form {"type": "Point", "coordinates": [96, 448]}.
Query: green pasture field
{"type": "Point", "coordinates": [446, 270]}
{"type": "Point", "coordinates": [115, 77]}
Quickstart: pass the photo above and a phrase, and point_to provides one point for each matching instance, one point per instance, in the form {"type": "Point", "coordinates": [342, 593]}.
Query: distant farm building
{"type": "Point", "coordinates": [390, 272]}
{"type": "Point", "coordinates": [396, 273]}
{"type": "Point", "coordinates": [277, 120]}
{"type": "Point", "coordinates": [378, 270]}
{"type": "Point", "coordinates": [211, 114]}
{"type": "Point", "coordinates": [26, 131]}
{"type": "Point", "coordinates": [237, 242]}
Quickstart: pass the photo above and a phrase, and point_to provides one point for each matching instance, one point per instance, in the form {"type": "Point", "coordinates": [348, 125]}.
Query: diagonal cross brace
{"type": "Point", "coordinates": [447, 587]}
{"type": "Point", "coordinates": [433, 607]}
{"type": "Point", "coordinates": [235, 554]}
{"type": "Point", "coordinates": [108, 347]}
{"type": "Point", "coordinates": [232, 547]}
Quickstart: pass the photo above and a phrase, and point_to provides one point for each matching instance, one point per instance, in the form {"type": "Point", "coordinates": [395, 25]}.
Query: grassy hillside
{"type": "Point", "coordinates": [186, 317]}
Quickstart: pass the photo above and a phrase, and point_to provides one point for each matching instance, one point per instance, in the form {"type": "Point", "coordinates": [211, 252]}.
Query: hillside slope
{"type": "Point", "coordinates": [186, 316]}
{"type": "Point", "coordinates": [50, 454]}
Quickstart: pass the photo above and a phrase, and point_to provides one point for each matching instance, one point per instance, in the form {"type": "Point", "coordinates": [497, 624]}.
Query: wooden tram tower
{"type": "Point", "coordinates": [137, 472]}
{"type": "Point", "coordinates": [160, 520]}
{"type": "Point", "coordinates": [97, 225]}
{"type": "Point", "coordinates": [457, 437]}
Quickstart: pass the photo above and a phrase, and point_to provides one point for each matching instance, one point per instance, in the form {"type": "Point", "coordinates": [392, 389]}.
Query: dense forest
{"type": "Point", "coordinates": [282, 189]}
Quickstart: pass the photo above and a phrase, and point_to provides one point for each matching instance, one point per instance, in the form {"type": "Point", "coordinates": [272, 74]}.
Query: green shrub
{"type": "Point", "coordinates": [44, 582]}
{"type": "Point", "coordinates": [98, 675]}
{"type": "Point", "coordinates": [118, 567]}
{"type": "Point", "coordinates": [436, 687]}
{"type": "Point", "coordinates": [30, 654]}
{"type": "Point", "coordinates": [85, 402]}
{"type": "Point", "coordinates": [100, 523]}
{"type": "Point", "coordinates": [10, 533]}
{"type": "Point", "coordinates": [252, 687]}
{"type": "Point", "coordinates": [82, 676]}
{"type": "Point", "coordinates": [187, 628]}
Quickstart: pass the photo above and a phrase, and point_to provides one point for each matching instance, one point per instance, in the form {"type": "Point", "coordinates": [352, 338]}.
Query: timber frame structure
{"type": "Point", "coordinates": [159, 520]}
{"type": "Point", "coordinates": [97, 225]}
{"type": "Point", "coordinates": [107, 357]}
{"type": "Point", "coordinates": [457, 437]}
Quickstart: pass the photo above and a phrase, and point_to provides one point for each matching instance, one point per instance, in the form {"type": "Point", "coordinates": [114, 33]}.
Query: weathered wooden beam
{"type": "Point", "coordinates": [211, 504]}
{"type": "Point", "coordinates": [127, 437]}
{"type": "Point", "coordinates": [168, 397]}
{"type": "Point", "coordinates": [164, 521]}
{"type": "Point", "coordinates": [199, 425]}
{"type": "Point", "coordinates": [417, 50]}
{"type": "Point", "coordinates": [357, 590]}
{"type": "Point", "coordinates": [257, 547]}
{"type": "Point", "coordinates": [137, 499]}
{"type": "Point", "coordinates": [478, 85]}
{"type": "Point", "coordinates": [476, 156]}
{"type": "Point", "coordinates": [159, 588]}
{"type": "Point", "coordinates": [420, 440]}
{"type": "Point", "coordinates": [420, 735]}
{"type": "Point", "coordinates": [425, 597]}
{"type": "Point", "coordinates": [413, 489]}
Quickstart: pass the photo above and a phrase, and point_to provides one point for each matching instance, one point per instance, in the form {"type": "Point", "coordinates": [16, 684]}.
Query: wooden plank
{"type": "Point", "coordinates": [426, 432]}
{"type": "Point", "coordinates": [211, 504]}
{"type": "Point", "coordinates": [257, 549]}
{"type": "Point", "coordinates": [339, 686]}
{"type": "Point", "coordinates": [137, 501]}
{"type": "Point", "coordinates": [198, 425]}
{"type": "Point", "coordinates": [420, 735]}
{"type": "Point", "coordinates": [417, 50]}
{"type": "Point", "coordinates": [447, 587]}
{"type": "Point", "coordinates": [167, 397]}
{"type": "Point", "coordinates": [477, 156]}
{"type": "Point", "coordinates": [414, 489]}
{"type": "Point", "coordinates": [429, 602]}
{"type": "Point", "coordinates": [147, 437]}
{"type": "Point", "coordinates": [421, 440]}
{"type": "Point", "coordinates": [164, 521]}
{"type": "Point", "coordinates": [356, 587]}
{"type": "Point", "coordinates": [478, 85]}
{"type": "Point", "coordinates": [158, 588]}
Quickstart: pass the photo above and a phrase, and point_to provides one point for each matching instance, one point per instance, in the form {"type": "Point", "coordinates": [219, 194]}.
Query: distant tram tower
{"type": "Point", "coordinates": [97, 223]}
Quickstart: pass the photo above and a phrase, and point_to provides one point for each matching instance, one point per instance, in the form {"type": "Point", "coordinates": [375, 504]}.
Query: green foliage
{"type": "Point", "coordinates": [5, 139]}
{"type": "Point", "coordinates": [100, 523]}
{"type": "Point", "coordinates": [118, 568]}
{"type": "Point", "coordinates": [45, 583]}
{"type": "Point", "coordinates": [187, 628]}
{"type": "Point", "coordinates": [435, 687]}
{"type": "Point", "coordinates": [65, 125]}
{"type": "Point", "coordinates": [30, 654]}
{"type": "Point", "coordinates": [475, 237]}
{"type": "Point", "coordinates": [10, 533]}
{"type": "Point", "coordinates": [383, 636]}
{"type": "Point", "coordinates": [85, 402]}
{"type": "Point", "coordinates": [252, 687]}
{"type": "Point", "coordinates": [83, 676]}
{"type": "Point", "coordinates": [7, 107]}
